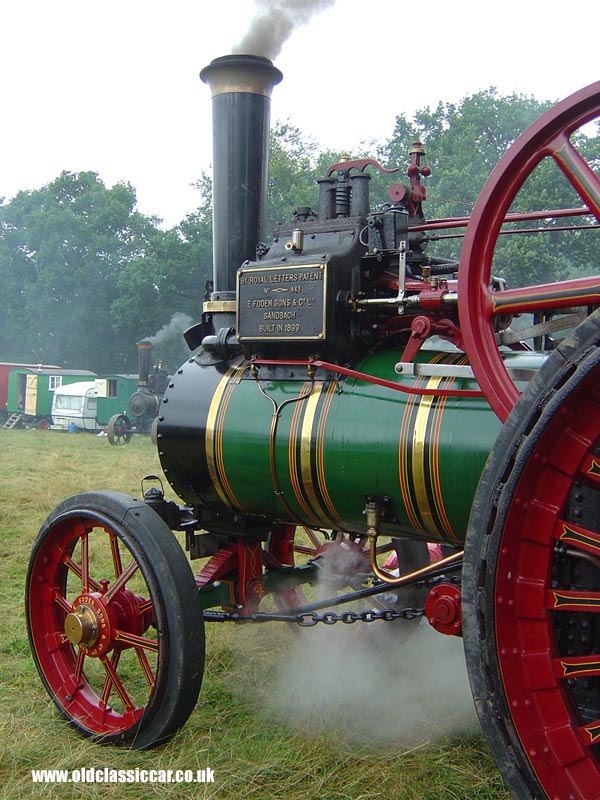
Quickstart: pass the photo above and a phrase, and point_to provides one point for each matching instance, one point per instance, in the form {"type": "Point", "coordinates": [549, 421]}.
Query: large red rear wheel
{"type": "Point", "coordinates": [531, 582]}
{"type": "Point", "coordinates": [114, 620]}
{"type": "Point", "coordinates": [479, 304]}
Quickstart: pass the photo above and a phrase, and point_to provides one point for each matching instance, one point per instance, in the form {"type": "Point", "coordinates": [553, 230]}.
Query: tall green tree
{"type": "Point", "coordinates": [84, 276]}
{"type": "Point", "coordinates": [161, 292]}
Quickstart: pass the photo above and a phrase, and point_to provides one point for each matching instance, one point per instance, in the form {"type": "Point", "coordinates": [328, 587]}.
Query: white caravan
{"type": "Point", "coordinates": [74, 407]}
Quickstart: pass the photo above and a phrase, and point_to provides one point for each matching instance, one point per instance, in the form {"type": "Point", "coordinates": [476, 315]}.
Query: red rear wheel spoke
{"type": "Point", "coordinates": [583, 540]}
{"type": "Point", "coordinates": [577, 666]}
{"type": "Point", "coordinates": [590, 734]}
{"type": "Point", "coordinates": [569, 600]}
{"type": "Point", "coordinates": [589, 470]}
{"type": "Point", "coordinates": [54, 641]}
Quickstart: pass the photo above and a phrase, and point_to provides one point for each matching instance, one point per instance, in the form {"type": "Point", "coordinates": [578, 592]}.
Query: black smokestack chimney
{"type": "Point", "coordinates": [144, 349]}
{"type": "Point", "coordinates": [241, 87]}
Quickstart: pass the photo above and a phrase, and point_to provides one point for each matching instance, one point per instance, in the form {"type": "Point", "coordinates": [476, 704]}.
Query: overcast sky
{"type": "Point", "coordinates": [113, 86]}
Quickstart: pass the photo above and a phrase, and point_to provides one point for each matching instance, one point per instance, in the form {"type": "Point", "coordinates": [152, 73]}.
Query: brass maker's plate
{"type": "Point", "coordinates": [281, 303]}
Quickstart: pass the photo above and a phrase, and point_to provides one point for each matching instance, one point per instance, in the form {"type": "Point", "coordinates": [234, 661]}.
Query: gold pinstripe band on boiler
{"type": "Point", "coordinates": [418, 455]}
{"type": "Point", "coordinates": [214, 432]}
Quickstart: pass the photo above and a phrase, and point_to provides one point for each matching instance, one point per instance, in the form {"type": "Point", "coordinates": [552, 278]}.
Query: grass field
{"type": "Point", "coordinates": [354, 714]}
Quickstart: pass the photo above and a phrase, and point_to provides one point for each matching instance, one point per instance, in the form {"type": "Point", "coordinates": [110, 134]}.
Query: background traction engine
{"type": "Point", "coordinates": [348, 384]}
{"type": "Point", "coordinates": [143, 405]}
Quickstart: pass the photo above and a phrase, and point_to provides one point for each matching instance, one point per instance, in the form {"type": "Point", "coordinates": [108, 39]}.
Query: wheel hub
{"type": "Point", "coordinates": [88, 625]}
{"type": "Point", "coordinates": [82, 626]}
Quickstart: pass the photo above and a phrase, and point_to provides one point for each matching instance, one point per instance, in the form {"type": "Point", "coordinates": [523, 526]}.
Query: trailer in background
{"type": "Point", "coordinates": [113, 393]}
{"type": "Point", "coordinates": [31, 390]}
{"type": "Point", "coordinates": [6, 368]}
{"type": "Point", "coordinates": [74, 407]}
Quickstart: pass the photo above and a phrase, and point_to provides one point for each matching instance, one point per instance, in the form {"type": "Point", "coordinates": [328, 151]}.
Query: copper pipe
{"type": "Point", "coordinates": [373, 514]}
{"type": "Point", "coordinates": [410, 577]}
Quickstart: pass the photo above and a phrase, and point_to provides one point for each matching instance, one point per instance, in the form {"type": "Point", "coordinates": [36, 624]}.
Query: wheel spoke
{"type": "Point", "coordinates": [74, 567]}
{"type": "Point", "coordinates": [589, 470]}
{"type": "Point", "coordinates": [85, 563]}
{"type": "Point", "coordinates": [312, 535]}
{"type": "Point", "coordinates": [146, 668]}
{"type": "Point", "coordinates": [578, 172]}
{"type": "Point", "coordinates": [305, 549]}
{"type": "Point", "coordinates": [54, 641]}
{"type": "Point", "coordinates": [590, 734]}
{"type": "Point", "coordinates": [569, 600]}
{"type": "Point", "coordinates": [121, 581]}
{"type": "Point", "coordinates": [116, 555]}
{"type": "Point", "coordinates": [577, 666]}
{"type": "Point", "coordinates": [108, 680]}
{"type": "Point", "coordinates": [576, 536]}
{"type": "Point", "coordinates": [63, 602]}
{"type": "Point", "coordinates": [545, 142]}
{"type": "Point", "coordinates": [79, 666]}
{"type": "Point", "coordinates": [566, 294]}
{"type": "Point", "coordinates": [136, 641]}
{"type": "Point", "coordinates": [111, 670]}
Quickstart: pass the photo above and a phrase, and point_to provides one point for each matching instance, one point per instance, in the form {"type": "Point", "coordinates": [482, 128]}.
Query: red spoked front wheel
{"type": "Point", "coordinates": [480, 305]}
{"type": "Point", "coordinates": [114, 620]}
{"type": "Point", "coordinates": [531, 582]}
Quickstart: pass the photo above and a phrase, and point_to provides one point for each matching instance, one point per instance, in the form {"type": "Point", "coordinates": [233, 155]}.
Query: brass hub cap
{"type": "Point", "coordinates": [81, 626]}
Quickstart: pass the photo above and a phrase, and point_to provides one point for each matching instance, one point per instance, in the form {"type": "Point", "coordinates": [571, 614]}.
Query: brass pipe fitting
{"type": "Point", "coordinates": [373, 516]}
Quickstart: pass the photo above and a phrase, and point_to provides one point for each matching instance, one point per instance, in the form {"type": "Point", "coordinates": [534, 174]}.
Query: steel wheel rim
{"type": "Point", "coordinates": [539, 678]}
{"type": "Point", "coordinates": [90, 682]}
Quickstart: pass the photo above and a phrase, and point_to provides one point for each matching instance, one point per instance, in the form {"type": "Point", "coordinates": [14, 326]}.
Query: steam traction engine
{"type": "Point", "coordinates": [143, 404]}
{"type": "Point", "coordinates": [348, 385]}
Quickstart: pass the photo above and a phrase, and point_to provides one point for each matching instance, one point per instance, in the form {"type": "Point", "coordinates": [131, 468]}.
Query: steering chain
{"type": "Point", "coordinates": [308, 619]}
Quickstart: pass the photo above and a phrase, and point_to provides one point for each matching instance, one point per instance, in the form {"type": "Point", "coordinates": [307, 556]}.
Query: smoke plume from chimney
{"type": "Point", "coordinates": [273, 23]}
{"type": "Point", "coordinates": [175, 327]}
